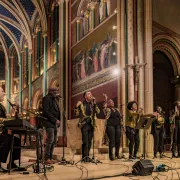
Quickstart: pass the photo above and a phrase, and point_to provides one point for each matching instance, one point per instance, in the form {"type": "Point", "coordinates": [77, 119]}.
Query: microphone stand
{"type": "Point", "coordinates": [63, 160]}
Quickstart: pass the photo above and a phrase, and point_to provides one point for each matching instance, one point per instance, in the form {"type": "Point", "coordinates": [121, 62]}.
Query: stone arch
{"type": "Point", "coordinates": [36, 98]}
{"type": "Point", "coordinates": [170, 47]}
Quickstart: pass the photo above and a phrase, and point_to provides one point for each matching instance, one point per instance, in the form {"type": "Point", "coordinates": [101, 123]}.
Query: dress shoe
{"type": "Point", "coordinates": [48, 161]}
{"type": "Point", "coordinates": [131, 157]}
{"type": "Point", "coordinates": [111, 157]}
{"type": "Point", "coordinates": [173, 155]}
{"type": "Point", "coordinates": [13, 166]}
{"type": "Point", "coordinates": [118, 156]}
{"type": "Point", "coordinates": [3, 170]}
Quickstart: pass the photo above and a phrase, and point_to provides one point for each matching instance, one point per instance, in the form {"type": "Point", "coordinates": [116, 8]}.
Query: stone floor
{"type": "Point", "coordinates": [118, 169]}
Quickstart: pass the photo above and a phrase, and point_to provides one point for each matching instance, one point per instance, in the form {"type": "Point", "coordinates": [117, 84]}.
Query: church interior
{"type": "Point", "coordinates": [126, 49]}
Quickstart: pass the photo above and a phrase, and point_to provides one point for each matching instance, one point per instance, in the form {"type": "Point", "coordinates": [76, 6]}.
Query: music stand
{"type": "Point", "coordinates": [144, 123]}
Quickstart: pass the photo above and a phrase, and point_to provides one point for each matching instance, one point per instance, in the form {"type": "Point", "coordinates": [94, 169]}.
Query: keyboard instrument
{"type": "Point", "coordinates": [18, 124]}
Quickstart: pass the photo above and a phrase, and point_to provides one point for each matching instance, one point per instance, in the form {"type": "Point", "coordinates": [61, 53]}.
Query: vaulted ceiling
{"type": "Point", "coordinates": [17, 21]}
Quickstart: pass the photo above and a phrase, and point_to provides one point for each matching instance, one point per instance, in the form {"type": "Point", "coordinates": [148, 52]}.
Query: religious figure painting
{"type": "Point", "coordinates": [97, 58]}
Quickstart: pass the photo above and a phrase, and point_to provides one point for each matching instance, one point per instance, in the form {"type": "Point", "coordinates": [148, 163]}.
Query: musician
{"type": "Point", "coordinates": [113, 126]}
{"type": "Point", "coordinates": [87, 111]}
{"type": "Point", "coordinates": [5, 139]}
{"type": "Point", "coordinates": [132, 134]}
{"type": "Point", "coordinates": [175, 118]}
{"type": "Point", "coordinates": [51, 111]}
{"type": "Point", "coordinates": [157, 130]}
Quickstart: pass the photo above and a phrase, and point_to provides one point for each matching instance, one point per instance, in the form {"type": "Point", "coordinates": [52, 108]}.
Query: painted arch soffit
{"type": "Point", "coordinates": [171, 54]}
{"type": "Point", "coordinates": [168, 45]}
{"type": "Point", "coordinates": [5, 49]}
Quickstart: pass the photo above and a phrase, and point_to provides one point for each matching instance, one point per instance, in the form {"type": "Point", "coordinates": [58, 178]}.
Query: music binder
{"type": "Point", "coordinates": [144, 123]}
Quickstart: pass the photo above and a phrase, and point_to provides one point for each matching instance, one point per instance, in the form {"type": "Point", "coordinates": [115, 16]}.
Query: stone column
{"type": "Point", "coordinates": [45, 64]}
{"type": "Point", "coordinates": [30, 78]}
{"type": "Point", "coordinates": [130, 49]}
{"type": "Point", "coordinates": [148, 108]}
{"type": "Point", "coordinates": [140, 42]}
{"type": "Point", "coordinates": [176, 82]}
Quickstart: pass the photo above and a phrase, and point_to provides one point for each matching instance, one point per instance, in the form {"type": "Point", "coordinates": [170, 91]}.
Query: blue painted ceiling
{"type": "Point", "coordinates": [27, 6]}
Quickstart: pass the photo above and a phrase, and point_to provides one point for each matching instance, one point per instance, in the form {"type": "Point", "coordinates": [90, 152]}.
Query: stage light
{"type": "Point", "coordinates": [116, 72]}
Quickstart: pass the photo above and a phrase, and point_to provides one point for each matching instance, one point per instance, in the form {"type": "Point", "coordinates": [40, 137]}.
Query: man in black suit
{"type": "Point", "coordinates": [5, 139]}
{"type": "Point", "coordinates": [51, 111]}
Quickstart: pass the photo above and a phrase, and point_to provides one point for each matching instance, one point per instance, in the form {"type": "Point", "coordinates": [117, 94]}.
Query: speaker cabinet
{"type": "Point", "coordinates": [143, 168]}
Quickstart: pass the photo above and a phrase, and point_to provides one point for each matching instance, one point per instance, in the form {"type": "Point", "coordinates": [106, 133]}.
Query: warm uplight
{"type": "Point", "coordinates": [114, 27]}
{"type": "Point", "coordinates": [116, 72]}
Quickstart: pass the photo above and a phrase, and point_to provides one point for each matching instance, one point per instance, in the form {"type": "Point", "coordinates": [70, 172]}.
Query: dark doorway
{"type": "Point", "coordinates": [163, 88]}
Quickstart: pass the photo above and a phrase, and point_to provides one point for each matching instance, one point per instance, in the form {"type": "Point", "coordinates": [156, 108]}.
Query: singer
{"type": "Point", "coordinates": [87, 111]}
{"type": "Point", "coordinates": [113, 127]}
{"type": "Point", "coordinates": [175, 121]}
{"type": "Point", "coordinates": [5, 139]}
{"type": "Point", "coordinates": [51, 111]}
{"type": "Point", "coordinates": [157, 130]}
{"type": "Point", "coordinates": [131, 133]}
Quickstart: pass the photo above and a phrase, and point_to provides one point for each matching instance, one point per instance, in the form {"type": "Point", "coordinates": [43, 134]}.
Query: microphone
{"type": "Point", "coordinates": [11, 104]}
{"type": "Point", "coordinates": [59, 96]}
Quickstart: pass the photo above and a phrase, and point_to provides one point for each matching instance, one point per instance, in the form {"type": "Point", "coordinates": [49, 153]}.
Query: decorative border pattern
{"type": "Point", "coordinates": [94, 81]}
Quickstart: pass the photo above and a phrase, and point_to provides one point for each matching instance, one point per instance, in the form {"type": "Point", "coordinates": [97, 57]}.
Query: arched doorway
{"type": "Point", "coordinates": [163, 89]}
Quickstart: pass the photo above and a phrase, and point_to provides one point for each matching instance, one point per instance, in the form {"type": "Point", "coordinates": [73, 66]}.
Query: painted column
{"type": "Point", "coordinates": [39, 51]}
{"type": "Point", "coordinates": [49, 40]}
{"type": "Point", "coordinates": [20, 80]}
{"type": "Point", "coordinates": [77, 30]}
{"type": "Point", "coordinates": [130, 49]}
{"type": "Point", "coordinates": [12, 74]}
{"type": "Point", "coordinates": [33, 57]}
{"type": "Point", "coordinates": [8, 83]}
{"type": "Point", "coordinates": [45, 64]}
{"type": "Point", "coordinates": [121, 63]}
{"type": "Point", "coordinates": [140, 42]}
{"type": "Point", "coordinates": [27, 68]}
{"type": "Point", "coordinates": [30, 78]}
{"type": "Point", "coordinates": [148, 108]}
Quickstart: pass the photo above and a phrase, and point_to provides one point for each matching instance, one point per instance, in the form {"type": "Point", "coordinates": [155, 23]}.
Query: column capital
{"type": "Point", "coordinates": [60, 2]}
{"type": "Point", "coordinates": [30, 51]}
{"type": "Point", "coordinates": [44, 34]}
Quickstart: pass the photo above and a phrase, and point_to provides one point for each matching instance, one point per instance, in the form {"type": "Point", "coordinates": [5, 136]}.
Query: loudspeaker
{"type": "Point", "coordinates": [143, 168]}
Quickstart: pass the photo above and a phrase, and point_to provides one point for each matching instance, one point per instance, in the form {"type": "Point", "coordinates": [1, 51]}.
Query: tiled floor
{"type": "Point", "coordinates": [118, 169]}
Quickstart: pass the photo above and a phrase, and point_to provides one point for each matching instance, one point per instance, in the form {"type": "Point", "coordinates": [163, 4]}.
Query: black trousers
{"type": "Point", "coordinates": [176, 138]}
{"type": "Point", "coordinates": [158, 140]}
{"type": "Point", "coordinates": [87, 135]}
{"type": "Point", "coordinates": [114, 135]}
{"type": "Point", "coordinates": [133, 136]}
{"type": "Point", "coordinates": [5, 146]}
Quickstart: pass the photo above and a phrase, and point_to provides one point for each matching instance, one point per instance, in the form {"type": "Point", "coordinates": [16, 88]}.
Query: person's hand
{"type": "Point", "coordinates": [58, 122]}
{"type": "Point", "coordinates": [140, 110]}
{"type": "Point", "coordinates": [93, 100]}
{"type": "Point", "coordinates": [78, 103]}
{"type": "Point", "coordinates": [105, 97]}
